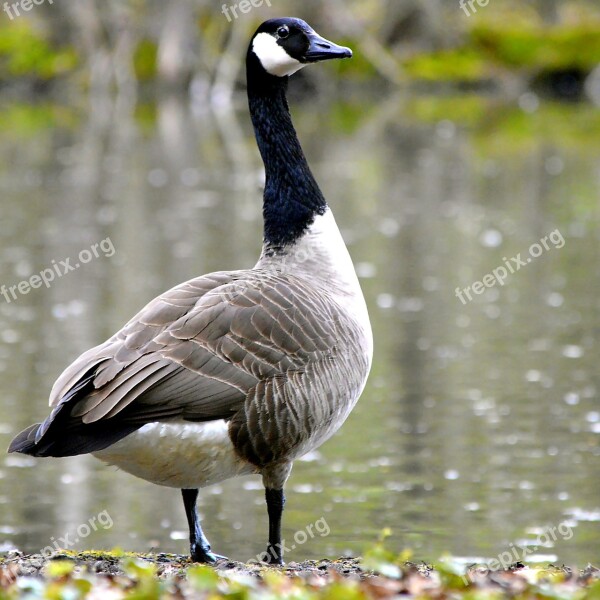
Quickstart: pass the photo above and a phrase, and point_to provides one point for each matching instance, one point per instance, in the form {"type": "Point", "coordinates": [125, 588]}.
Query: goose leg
{"type": "Point", "coordinates": [275, 503]}
{"type": "Point", "coordinates": [199, 545]}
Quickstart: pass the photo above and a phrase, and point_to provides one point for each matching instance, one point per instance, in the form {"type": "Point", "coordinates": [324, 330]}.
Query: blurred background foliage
{"type": "Point", "coordinates": [121, 44]}
{"type": "Point", "coordinates": [140, 49]}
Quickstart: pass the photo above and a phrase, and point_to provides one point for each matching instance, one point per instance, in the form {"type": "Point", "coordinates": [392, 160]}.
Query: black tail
{"type": "Point", "coordinates": [25, 441]}
{"type": "Point", "coordinates": [64, 438]}
{"type": "Point", "coordinates": [63, 435]}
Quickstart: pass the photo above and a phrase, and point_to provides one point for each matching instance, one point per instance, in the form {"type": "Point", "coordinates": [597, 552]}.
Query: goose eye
{"type": "Point", "coordinates": [283, 32]}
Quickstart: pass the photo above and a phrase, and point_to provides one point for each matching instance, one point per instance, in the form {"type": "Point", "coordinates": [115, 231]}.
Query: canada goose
{"type": "Point", "coordinates": [234, 372]}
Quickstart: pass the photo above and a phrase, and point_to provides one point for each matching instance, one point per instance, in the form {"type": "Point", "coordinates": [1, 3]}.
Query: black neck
{"type": "Point", "coordinates": [292, 197]}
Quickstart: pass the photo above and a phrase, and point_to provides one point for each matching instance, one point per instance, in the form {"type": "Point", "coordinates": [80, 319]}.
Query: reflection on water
{"type": "Point", "coordinates": [479, 427]}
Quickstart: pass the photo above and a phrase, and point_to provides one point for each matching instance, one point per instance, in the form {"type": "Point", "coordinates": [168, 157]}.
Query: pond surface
{"type": "Point", "coordinates": [479, 429]}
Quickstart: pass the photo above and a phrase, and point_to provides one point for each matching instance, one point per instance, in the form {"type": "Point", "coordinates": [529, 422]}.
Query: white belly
{"type": "Point", "coordinates": [180, 455]}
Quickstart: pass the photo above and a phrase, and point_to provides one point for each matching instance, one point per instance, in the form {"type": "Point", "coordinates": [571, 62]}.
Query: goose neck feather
{"type": "Point", "coordinates": [292, 198]}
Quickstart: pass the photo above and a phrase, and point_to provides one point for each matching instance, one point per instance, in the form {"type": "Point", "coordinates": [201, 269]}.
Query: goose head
{"type": "Point", "coordinates": [280, 47]}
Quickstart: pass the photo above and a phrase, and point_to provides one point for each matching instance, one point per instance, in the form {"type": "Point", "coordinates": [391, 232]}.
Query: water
{"type": "Point", "coordinates": [479, 429]}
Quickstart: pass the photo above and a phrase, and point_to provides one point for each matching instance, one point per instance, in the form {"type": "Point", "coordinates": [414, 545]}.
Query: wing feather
{"type": "Point", "coordinates": [196, 351]}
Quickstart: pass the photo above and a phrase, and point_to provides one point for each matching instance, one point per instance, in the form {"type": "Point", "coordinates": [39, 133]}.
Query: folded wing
{"type": "Point", "coordinates": [193, 353]}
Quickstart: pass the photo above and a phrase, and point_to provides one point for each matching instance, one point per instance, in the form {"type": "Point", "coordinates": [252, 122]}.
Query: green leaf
{"type": "Point", "coordinates": [59, 568]}
{"type": "Point", "coordinates": [203, 579]}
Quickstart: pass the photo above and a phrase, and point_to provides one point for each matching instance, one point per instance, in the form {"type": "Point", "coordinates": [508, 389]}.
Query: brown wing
{"type": "Point", "coordinates": [196, 351]}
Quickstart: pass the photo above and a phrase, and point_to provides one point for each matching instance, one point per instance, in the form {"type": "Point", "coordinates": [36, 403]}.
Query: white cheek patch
{"type": "Point", "coordinates": [275, 60]}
